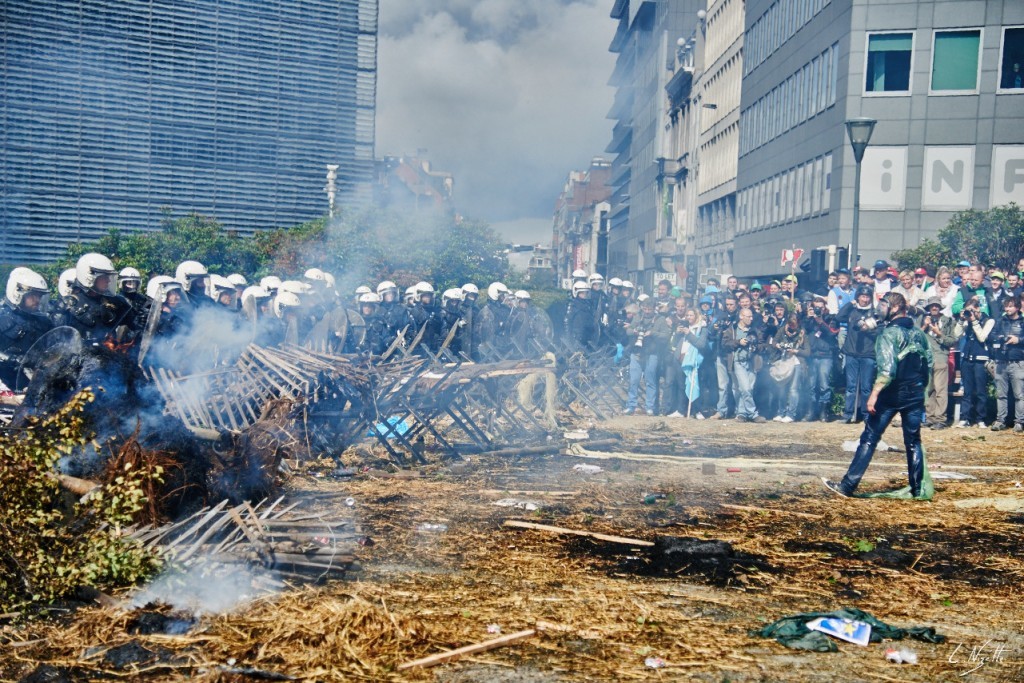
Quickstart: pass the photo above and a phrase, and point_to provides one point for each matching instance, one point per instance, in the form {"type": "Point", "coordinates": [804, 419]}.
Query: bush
{"type": "Point", "coordinates": [50, 547]}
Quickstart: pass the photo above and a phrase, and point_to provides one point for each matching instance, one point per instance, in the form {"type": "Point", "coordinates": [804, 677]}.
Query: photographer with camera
{"type": "Point", "coordinates": [1008, 349]}
{"type": "Point", "coordinates": [859, 352]}
{"type": "Point", "coordinates": [977, 352]}
{"type": "Point", "coordinates": [717, 326]}
{"type": "Point", "coordinates": [647, 340]}
{"type": "Point", "coordinates": [742, 342]}
{"type": "Point", "coordinates": [821, 332]}
{"type": "Point", "coordinates": [943, 334]}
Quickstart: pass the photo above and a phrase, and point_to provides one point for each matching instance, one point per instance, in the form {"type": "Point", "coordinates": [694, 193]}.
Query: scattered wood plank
{"type": "Point", "coordinates": [516, 524]}
{"type": "Point", "coordinates": [451, 655]}
{"type": "Point", "coordinates": [751, 508]}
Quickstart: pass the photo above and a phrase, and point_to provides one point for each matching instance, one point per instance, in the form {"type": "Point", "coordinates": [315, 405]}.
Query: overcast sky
{"type": "Point", "coordinates": [508, 95]}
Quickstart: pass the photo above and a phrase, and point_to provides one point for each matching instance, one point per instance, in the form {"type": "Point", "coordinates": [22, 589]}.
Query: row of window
{"type": "Point", "coordinates": [797, 193]}
{"type": "Point", "coordinates": [805, 94]}
{"type": "Point", "coordinates": [955, 61]}
{"type": "Point", "coordinates": [777, 25]}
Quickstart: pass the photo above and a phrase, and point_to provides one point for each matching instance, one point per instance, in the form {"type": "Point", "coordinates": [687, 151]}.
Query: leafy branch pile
{"type": "Point", "coordinates": [51, 544]}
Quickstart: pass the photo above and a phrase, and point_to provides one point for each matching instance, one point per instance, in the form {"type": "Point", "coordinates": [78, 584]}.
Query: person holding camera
{"type": "Point", "coordinates": [742, 342]}
{"type": "Point", "coordinates": [1008, 348]}
{"type": "Point", "coordinates": [943, 334]}
{"type": "Point", "coordinates": [787, 369]}
{"type": "Point", "coordinates": [647, 338]}
{"type": "Point", "coordinates": [977, 326]}
{"type": "Point", "coordinates": [859, 352]}
{"type": "Point", "coordinates": [717, 328]}
{"type": "Point", "coordinates": [904, 369]}
{"type": "Point", "coordinates": [822, 335]}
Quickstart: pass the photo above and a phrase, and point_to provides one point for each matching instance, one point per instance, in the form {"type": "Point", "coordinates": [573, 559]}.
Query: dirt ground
{"type": "Point", "coordinates": [602, 609]}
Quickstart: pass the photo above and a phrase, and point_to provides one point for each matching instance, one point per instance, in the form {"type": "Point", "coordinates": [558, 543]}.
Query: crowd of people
{"type": "Point", "coordinates": [738, 350]}
{"type": "Point", "coordinates": [752, 352]}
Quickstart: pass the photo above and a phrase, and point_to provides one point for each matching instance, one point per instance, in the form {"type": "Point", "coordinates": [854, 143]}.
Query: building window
{"type": "Point", "coordinates": [1011, 64]}
{"type": "Point", "coordinates": [888, 63]}
{"type": "Point", "coordinates": [955, 60]}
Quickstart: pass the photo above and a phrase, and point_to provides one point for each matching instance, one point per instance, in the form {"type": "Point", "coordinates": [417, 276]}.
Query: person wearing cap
{"type": "Point", "coordinates": [943, 334]}
{"type": "Point", "coordinates": [756, 293]}
{"type": "Point", "coordinates": [997, 293]}
{"type": "Point", "coordinates": [962, 268]}
{"type": "Point", "coordinates": [790, 283]}
{"type": "Point", "coordinates": [1008, 349]}
{"type": "Point", "coordinates": [861, 276]}
{"type": "Point", "coordinates": [923, 281]}
{"type": "Point", "coordinates": [881, 281]}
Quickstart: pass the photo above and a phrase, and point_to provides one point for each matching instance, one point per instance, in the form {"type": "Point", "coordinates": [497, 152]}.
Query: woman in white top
{"type": "Point", "coordinates": [944, 289]}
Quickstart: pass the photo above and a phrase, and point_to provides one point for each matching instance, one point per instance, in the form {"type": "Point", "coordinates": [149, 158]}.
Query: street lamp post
{"type": "Point", "coordinates": [859, 130]}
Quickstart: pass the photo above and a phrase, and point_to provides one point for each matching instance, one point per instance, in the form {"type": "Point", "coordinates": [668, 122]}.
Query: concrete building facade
{"type": "Point", "coordinates": [579, 237]}
{"type": "Point", "coordinates": [114, 112]}
{"type": "Point", "coordinates": [640, 242]}
{"type": "Point", "coordinates": [940, 78]}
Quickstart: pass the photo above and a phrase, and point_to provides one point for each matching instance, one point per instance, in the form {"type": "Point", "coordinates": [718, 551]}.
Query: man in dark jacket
{"type": "Point", "coordinates": [647, 341]}
{"type": "Point", "coordinates": [904, 369]}
{"type": "Point", "coordinates": [859, 352]}
{"type": "Point", "coordinates": [1008, 348]}
{"type": "Point", "coordinates": [822, 340]}
{"type": "Point", "coordinates": [977, 352]}
{"type": "Point", "coordinates": [21, 323]}
{"type": "Point", "coordinates": [743, 342]}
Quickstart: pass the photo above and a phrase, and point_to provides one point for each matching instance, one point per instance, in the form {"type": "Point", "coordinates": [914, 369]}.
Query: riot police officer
{"type": "Point", "coordinates": [22, 322]}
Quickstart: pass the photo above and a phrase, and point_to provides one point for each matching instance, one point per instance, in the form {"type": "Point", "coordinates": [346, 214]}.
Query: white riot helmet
{"type": "Point", "coordinates": [331, 282]}
{"type": "Point", "coordinates": [386, 289]}
{"type": "Point", "coordinates": [165, 288]}
{"type": "Point", "coordinates": [23, 281]}
{"type": "Point", "coordinates": [369, 299]}
{"type": "Point", "coordinates": [580, 287]}
{"type": "Point", "coordinates": [615, 282]}
{"type": "Point", "coordinates": [285, 300]}
{"type": "Point", "coordinates": [315, 275]}
{"type": "Point", "coordinates": [410, 295]}
{"type": "Point", "coordinates": [130, 279]}
{"type": "Point", "coordinates": [155, 284]}
{"type": "Point", "coordinates": [221, 285]}
{"type": "Point", "coordinates": [64, 282]}
{"type": "Point", "coordinates": [470, 292]}
{"type": "Point", "coordinates": [452, 296]}
{"type": "Point", "coordinates": [423, 289]}
{"type": "Point", "coordinates": [189, 273]}
{"type": "Point", "coordinates": [295, 287]}
{"type": "Point", "coordinates": [92, 267]}
{"type": "Point", "coordinates": [271, 283]}
{"type": "Point", "coordinates": [579, 274]}
{"type": "Point", "coordinates": [238, 280]}
{"type": "Point", "coordinates": [252, 299]}
{"type": "Point", "coordinates": [626, 284]}
{"type": "Point", "coordinates": [362, 289]}
{"type": "Point", "coordinates": [596, 279]}
{"type": "Point", "coordinates": [496, 291]}
{"type": "Point", "coordinates": [522, 295]}
{"type": "Point", "coordinates": [642, 298]}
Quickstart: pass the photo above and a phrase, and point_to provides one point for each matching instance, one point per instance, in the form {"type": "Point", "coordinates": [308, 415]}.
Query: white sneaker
{"type": "Point", "coordinates": [982, 425]}
{"type": "Point", "coordinates": [963, 424]}
{"type": "Point", "coordinates": [786, 419]}
{"type": "Point", "coordinates": [675, 413]}
{"type": "Point", "coordinates": [777, 418]}
{"type": "Point", "coordinates": [700, 416]}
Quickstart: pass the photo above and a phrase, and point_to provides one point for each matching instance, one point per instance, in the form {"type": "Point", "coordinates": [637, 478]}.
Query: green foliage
{"type": "Point", "coordinates": [48, 547]}
{"type": "Point", "coordinates": [994, 237]}
{"type": "Point", "coordinates": [358, 246]}
{"type": "Point", "coordinates": [860, 545]}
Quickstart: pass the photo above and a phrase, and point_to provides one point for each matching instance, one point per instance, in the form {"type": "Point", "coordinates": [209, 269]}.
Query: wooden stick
{"type": "Point", "coordinates": [516, 524]}
{"type": "Point", "coordinates": [450, 655]}
{"type": "Point", "coordinates": [751, 508]}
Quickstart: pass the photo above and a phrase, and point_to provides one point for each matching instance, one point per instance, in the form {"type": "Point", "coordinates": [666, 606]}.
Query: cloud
{"type": "Point", "coordinates": [508, 95]}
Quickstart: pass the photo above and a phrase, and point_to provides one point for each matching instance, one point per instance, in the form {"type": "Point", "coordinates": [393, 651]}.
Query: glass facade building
{"type": "Point", "coordinates": [115, 112]}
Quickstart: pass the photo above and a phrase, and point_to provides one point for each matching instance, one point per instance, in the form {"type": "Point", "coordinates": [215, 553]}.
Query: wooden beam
{"type": "Point", "coordinates": [751, 508]}
{"type": "Point", "coordinates": [516, 524]}
{"type": "Point", "coordinates": [451, 655]}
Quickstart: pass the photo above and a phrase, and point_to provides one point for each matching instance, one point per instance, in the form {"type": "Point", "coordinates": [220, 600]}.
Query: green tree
{"type": "Point", "coordinates": [994, 238]}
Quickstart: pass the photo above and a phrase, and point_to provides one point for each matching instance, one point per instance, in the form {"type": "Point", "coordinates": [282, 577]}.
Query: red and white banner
{"type": "Point", "coordinates": [791, 256]}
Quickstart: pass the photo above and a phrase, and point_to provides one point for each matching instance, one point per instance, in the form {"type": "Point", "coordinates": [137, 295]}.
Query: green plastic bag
{"type": "Point", "coordinates": [793, 632]}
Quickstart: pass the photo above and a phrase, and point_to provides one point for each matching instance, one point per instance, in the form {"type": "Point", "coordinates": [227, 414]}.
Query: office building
{"type": "Point", "coordinates": [115, 113]}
